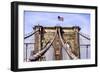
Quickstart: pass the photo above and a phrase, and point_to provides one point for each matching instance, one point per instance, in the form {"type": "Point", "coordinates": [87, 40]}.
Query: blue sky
{"type": "Point", "coordinates": [32, 18]}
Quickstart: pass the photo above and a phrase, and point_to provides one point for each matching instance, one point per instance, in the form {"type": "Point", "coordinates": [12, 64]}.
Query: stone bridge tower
{"type": "Point", "coordinates": [69, 35]}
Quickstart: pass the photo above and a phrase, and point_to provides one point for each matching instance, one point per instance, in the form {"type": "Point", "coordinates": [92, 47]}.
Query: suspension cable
{"type": "Point", "coordinates": [44, 50]}
{"type": "Point", "coordinates": [30, 34]}
{"type": "Point", "coordinates": [84, 36]}
{"type": "Point", "coordinates": [69, 52]}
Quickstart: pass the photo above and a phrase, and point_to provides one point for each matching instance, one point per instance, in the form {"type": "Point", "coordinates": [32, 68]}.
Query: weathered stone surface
{"type": "Point", "coordinates": [69, 34]}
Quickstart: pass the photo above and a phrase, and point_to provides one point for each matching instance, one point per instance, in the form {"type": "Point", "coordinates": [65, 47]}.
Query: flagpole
{"type": "Point", "coordinates": [60, 19]}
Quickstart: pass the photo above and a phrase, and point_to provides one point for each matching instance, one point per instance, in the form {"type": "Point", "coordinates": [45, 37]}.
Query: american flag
{"type": "Point", "coordinates": [60, 18]}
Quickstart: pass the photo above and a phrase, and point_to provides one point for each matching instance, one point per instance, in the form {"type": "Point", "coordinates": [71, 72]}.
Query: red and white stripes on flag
{"type": "Point", "coordinates": [60, 18]}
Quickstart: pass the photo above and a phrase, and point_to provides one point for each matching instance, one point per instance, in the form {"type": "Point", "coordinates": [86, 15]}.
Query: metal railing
{"type": "Point", "coordinates": [30, 47]}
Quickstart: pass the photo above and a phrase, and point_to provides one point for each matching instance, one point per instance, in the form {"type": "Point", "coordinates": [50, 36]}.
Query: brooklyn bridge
{"type": "Point", "coordinates": [56, 43]}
